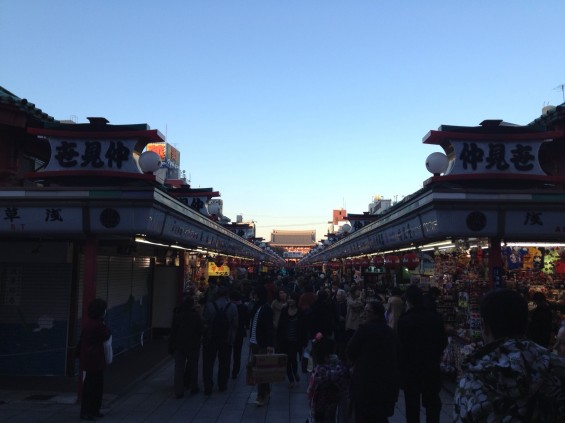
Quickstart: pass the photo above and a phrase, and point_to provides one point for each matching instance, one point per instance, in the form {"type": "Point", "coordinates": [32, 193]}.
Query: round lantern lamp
{"type": "Point", "coordinates": [149, 162]}
{"type": "Point", "coordinates": [437, 163]}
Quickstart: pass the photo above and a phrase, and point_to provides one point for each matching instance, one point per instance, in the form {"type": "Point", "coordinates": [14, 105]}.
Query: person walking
{"type": "Point", "coordinates": [221, 321]}
{"type": "Point", "coordinates": [185, 341]}
{"type": "Point", "coordinates": [376, 378]}
{"type": "Point", "coordinates": [422, 339]}
{"type": "Point", "coordinates": [305, 301]}
{"type": "Point", "coordinates": [262, 337]}
{"type": "Point", "coordinates": [395, 308]}
{"type": "Point", "coordinates": [340, 307]}
{"type": "Point", "coordinates": [355, 304]}
{"type": "Point", "coordinates": [540, 325]}
{"type": "Point", "coordinates": [322, 316]}
{"type": "Point", "coordinates": [277, 305]}
{"type": "Point", "coordinates": [92, 360]}
{"type": "Point", "coordinates": [511, 378]}
{"type": "Point", "coordinates": [243, 323]}
{"type": "Point", "coordinates": [291, 337]}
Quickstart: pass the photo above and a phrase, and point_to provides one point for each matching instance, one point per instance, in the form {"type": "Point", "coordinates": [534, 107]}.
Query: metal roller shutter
{"type": "Point", "coordinates": [34, 317]}
{"type": "Point", "coordinates": [123, 281]}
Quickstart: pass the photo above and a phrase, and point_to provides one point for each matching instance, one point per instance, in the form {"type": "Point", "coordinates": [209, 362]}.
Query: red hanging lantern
{"type": "Point", "coordinates": [349, 262]}
{"type": "Point", "coordinates": [378, 261]}
{"type": "Point", "coordinates": [411, 260]}
{"type": "Point", "coordinates": [392, 262]}
{"type": "Point", "coordinates": [365, 262]}
{"type": "Point", "coordinates": [334, 265]}
{"type": "Point", "coordinates": [357, 261]}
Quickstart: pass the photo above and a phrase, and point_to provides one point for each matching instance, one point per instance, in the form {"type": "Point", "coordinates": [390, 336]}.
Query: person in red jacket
{"type": "Point", "coordinates": [92, 359]}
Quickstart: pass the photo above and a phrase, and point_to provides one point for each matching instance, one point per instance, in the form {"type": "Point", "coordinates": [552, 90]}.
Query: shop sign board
{"type": "Point", "coordinates": [179, 230]}
{"type": "Point", "coordinates": [47, 219]}
{"type": "Point", "coordinates": [460, 223]}
{"type": "Point", "coordinates": [146, 220]}
{"type": "Point", "coordinates": [170, 156]}
{"type": "Point", "coordinates": [535, 223]}
{"type": "Point", "coordinates": [496, 156]}
{"type": "Point", "coordinates": [400, 234]}
{"type": "Point", "coordinates": [114, 155]}
{"type": "Point", "coordinates": [215, 270]}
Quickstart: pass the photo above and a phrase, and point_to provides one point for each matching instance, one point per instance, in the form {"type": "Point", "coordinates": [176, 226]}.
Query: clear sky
{"type": "Point", "coordinates": [289, 108]}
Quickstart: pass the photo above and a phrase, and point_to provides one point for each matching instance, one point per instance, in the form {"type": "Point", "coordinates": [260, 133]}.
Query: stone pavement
{"type": "Point", "coordinates": [151, 399]}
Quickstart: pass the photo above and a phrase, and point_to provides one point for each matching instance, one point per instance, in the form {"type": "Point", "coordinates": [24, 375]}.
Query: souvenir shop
{"type": "Point", "coordinates": [491, 215]}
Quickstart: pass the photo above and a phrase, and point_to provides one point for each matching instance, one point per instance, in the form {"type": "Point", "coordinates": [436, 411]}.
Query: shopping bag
{"type": "Point", "coordinates": [108, 350]}
{"type": "Point", "coordinates": [268, 368]}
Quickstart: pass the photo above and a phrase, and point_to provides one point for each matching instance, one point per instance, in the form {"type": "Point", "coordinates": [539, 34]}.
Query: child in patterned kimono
{"type": "Point", "coordinates": [328, 383]}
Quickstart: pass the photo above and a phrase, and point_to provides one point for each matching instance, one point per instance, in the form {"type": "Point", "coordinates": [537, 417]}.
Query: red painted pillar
{"type": "Point", "coordinates": [89, 292]}
{"type": "Point", "coordinates": [90, 254]}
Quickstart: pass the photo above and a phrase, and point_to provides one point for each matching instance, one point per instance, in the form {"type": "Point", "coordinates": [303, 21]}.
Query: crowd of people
{"type": "Point", "coordinates": [359, 347]}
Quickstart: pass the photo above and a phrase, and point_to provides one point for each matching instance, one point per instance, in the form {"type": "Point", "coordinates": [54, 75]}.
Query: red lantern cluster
{"type": "Point", "coordinates": [392, 262]}
{"type": "Point", "coordinates": [411, 260]}
{"type": "Point", "coordinates": [378, 261]}
{"type": "Point", "coordinates": [334, 265]}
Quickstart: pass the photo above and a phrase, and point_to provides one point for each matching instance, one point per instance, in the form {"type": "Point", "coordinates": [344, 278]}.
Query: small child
{"type": "Point", "coordinates": [328, 383]}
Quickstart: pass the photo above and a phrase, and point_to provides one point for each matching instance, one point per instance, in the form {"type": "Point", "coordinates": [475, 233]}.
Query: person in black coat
{"type": "Point", "coordinates": [322, 317]}
{"type": "Point", "coordinates": [375, 379]}
{"type": "Point", "coordinates": [292, 336]}
{"type": "Point", "coordinates": [243, 323]}
{"type": "Point", "coordinates": [92, 359]}
{"type": "Point", "coordinates": [184, 344]}
{"type": "Point", "coordinates": [340, 309]}
{"type": "Point", "coordinates": [422, 339]}
{"type": "Point", "coordinates": [540, 325]}
{"type": "Point", "coordinates": [262, 336]}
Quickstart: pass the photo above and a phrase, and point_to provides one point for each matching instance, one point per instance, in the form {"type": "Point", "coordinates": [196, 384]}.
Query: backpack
{"type": "Point", "coordinates": [220, 324]}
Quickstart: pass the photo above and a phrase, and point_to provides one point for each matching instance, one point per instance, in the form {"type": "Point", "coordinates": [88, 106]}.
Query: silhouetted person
{"type": "Point", "coordinates": [541, 321]}
{"type": "Point", "coordinates": [262, 336]}
{"type": "Point", "coordinates": [422, 339]}
{"type": "Point", "coordinates": [375, 380]}
{"type": "Point", "coordinates": [510, 379]}
{"type": "Point", "coordinates": [243, 323]}
{"type": "Point", "coordinates": [218, 345]}
{"type": "Point", "coordinates": [92, 359]}
{"type": "Point", "coordinates": [184, 344]}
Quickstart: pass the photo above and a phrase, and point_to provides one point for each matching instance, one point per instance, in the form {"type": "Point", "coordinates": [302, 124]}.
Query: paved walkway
{"type": "Point", "coordinates": [151, 399]}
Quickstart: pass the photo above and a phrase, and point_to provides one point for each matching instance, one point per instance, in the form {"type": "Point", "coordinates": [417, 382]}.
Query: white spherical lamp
{"type": "Point", "coordinates": [346, 227]}
{"type": "Point", "coordinates": [214, 208]}
{"type": "Point", "coordinates": [149, 162]}
{"type": "Point", "coordinates": [437, 163]}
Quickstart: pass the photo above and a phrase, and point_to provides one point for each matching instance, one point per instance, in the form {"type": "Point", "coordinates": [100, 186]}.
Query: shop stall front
{"type": "Point", "coordinates": [491, 215]}
{"type": "Point", "coordinates": [85, 215]}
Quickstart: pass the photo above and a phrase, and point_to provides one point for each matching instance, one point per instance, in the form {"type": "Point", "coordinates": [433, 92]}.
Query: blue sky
{"type": "Point", "coordinates": [289, 108]}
